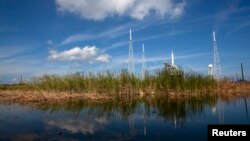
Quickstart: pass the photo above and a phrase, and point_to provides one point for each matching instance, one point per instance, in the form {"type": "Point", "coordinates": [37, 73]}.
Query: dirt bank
{"type": "Point", "coordinates": [25, 97]}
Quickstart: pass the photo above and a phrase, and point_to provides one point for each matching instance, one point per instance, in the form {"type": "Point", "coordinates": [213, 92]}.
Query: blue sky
{"type": "Point", "coordinates": [64, 36]}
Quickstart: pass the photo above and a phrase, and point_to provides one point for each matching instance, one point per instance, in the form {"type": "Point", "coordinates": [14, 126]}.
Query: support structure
{"type": "Point", "coordinates": [216, 67]}
{"type": "Point", "coordinates": [131, 66]}
{"type": "Point", "coordinates": [143, 69]}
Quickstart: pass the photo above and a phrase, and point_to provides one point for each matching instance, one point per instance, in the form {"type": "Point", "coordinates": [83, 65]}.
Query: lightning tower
{"type": "Point", "coordinates": [131, 66]}
{"type": "Point", "coordinates": [143, 67]}
{"type": "Point", "coordinates": [216, 67]}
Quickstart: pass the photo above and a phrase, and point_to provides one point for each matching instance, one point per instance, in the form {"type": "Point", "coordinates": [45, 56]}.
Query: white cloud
{"type": "Point", "coordinates": [103, 58]}
{"type": "Point", "coordinates": [90, 54]}
{"type": "Point", "coordinates": [137, 9]}
{"type": "Point", "coordinates": [86, 126]}
{"type": "Point", "coordinates": [177, 10]}
{"type": "Point", "coordinates": [142, 8]}
{"type": "Point", "coordinates": [75, 38]}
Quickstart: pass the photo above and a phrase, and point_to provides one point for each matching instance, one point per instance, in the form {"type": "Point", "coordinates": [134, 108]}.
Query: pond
{"type": "Point", "coordinates": [153, 118]}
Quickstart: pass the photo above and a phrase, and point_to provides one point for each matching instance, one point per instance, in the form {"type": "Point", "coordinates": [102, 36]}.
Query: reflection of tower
{"type": "Point", "coordinates": [220, 112]}
{"type": "Point", "coordinates": [175, 121]}
{"type": "Point", "coordinates": [132, 125]}
{"type": "Point", "coordinates": [143, 62]}
{"type": "Point", "coordinates": [131, 67]}
{"type": "Point", "coordinates": [216, 69]}
{"type": "Point", "coordinates": [245, 101]}
{"type": "Point", "coordinates": [210, 69]}
{"type": "Point", "coordinates": [145, 117]}
{"type": "Point", "coordinates": [214, 109]}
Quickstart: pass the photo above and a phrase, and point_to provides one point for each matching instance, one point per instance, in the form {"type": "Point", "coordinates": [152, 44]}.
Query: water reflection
{"type": "Point", "coordinates": [182, 108]}
{"type": "Point", "coordinates": [85, 126]}
{"type": "Point", "coordinates": [161, 106]}
{"type": "Point", "coordinates": [245, 103]}
{"type": "Point", "coordinates": [140, 118]}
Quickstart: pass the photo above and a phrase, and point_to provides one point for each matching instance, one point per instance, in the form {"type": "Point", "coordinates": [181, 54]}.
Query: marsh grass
{"type": "Point", "coordinates": [160, 82]}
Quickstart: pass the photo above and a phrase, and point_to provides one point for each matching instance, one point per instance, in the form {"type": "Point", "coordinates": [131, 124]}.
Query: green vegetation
{"type": "Point", "coordinates": [160, 82]}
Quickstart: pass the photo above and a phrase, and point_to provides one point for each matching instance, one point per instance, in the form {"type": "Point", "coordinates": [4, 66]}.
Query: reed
{"type": "Point", "coordinates": [159, 82]}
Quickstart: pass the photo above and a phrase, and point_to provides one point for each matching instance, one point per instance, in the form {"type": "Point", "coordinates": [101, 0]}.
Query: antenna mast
{"type": "Point", "coordinates": [131, 66]}
{"type": "Point", "coordinates": [143, 62]}
{"type": "Point", "coordinates": [216, 67]}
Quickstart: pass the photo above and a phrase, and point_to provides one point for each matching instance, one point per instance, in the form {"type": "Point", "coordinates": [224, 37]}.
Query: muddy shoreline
{"type": "Point", "coordinates": [39, 97]}
{"type": "Point", "coordinates": [35, 97]}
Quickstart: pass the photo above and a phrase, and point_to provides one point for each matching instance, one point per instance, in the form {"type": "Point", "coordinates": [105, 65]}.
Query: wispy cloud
{"type": "Point", "coordinates": [50, 42]}
{"type": "Point", "coordinates": [223, 17]}
{"type": "Point", "coordinates": [126, 42]}
{"type": "Point", "coordinates": [162, 58]}
{"type": "Point", "coordinates": [239, 27]}
{"type": "Point", "coordinates": [16, 49]}
{"type": "Point", "coordinates": [19, 65]}
{"type": "Point", "coordinates": [153, 63]}
{"type": "Point", "coordinates": [18, 56]}
{"type": "Point", "coordinates": [78, 37]}
{"type": "Point", "coordinates": [192, 55]}
{"type": "Point", "coordinates": [110, 33]}
{"type": "Point", "coordinates": [168, 34]}
{"type": "Point", "coordinates": [233, 7]}
{"type": "Point", "coordinates": [155, 67]}
{"type": "Point", "coordinates": [116, 45]}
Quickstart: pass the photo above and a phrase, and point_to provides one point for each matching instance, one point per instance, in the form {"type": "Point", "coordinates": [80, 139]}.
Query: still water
{"type": "Point", "coordinates": [130, 119]}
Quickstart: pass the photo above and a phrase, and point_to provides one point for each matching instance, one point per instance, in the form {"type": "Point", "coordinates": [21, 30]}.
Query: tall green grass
{"type": "Point", "coordinates": [159, 82]}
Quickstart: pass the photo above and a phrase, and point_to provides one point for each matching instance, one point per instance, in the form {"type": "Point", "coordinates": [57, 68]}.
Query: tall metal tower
{"type": "Point", "coordinates": [216, 67]}
{"type": "Point", "coordinates": [131, 66]}
{"type": "Point", "coordinates": [143, 67]}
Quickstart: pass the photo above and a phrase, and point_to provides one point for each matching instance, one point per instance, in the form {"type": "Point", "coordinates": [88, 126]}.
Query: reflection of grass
{"type": "Point", "coordinates": [162, 81]}
{"type": "Point", "coordinates": [160, 106]}
{"type": "Point", "coordinates": [180, 109]}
